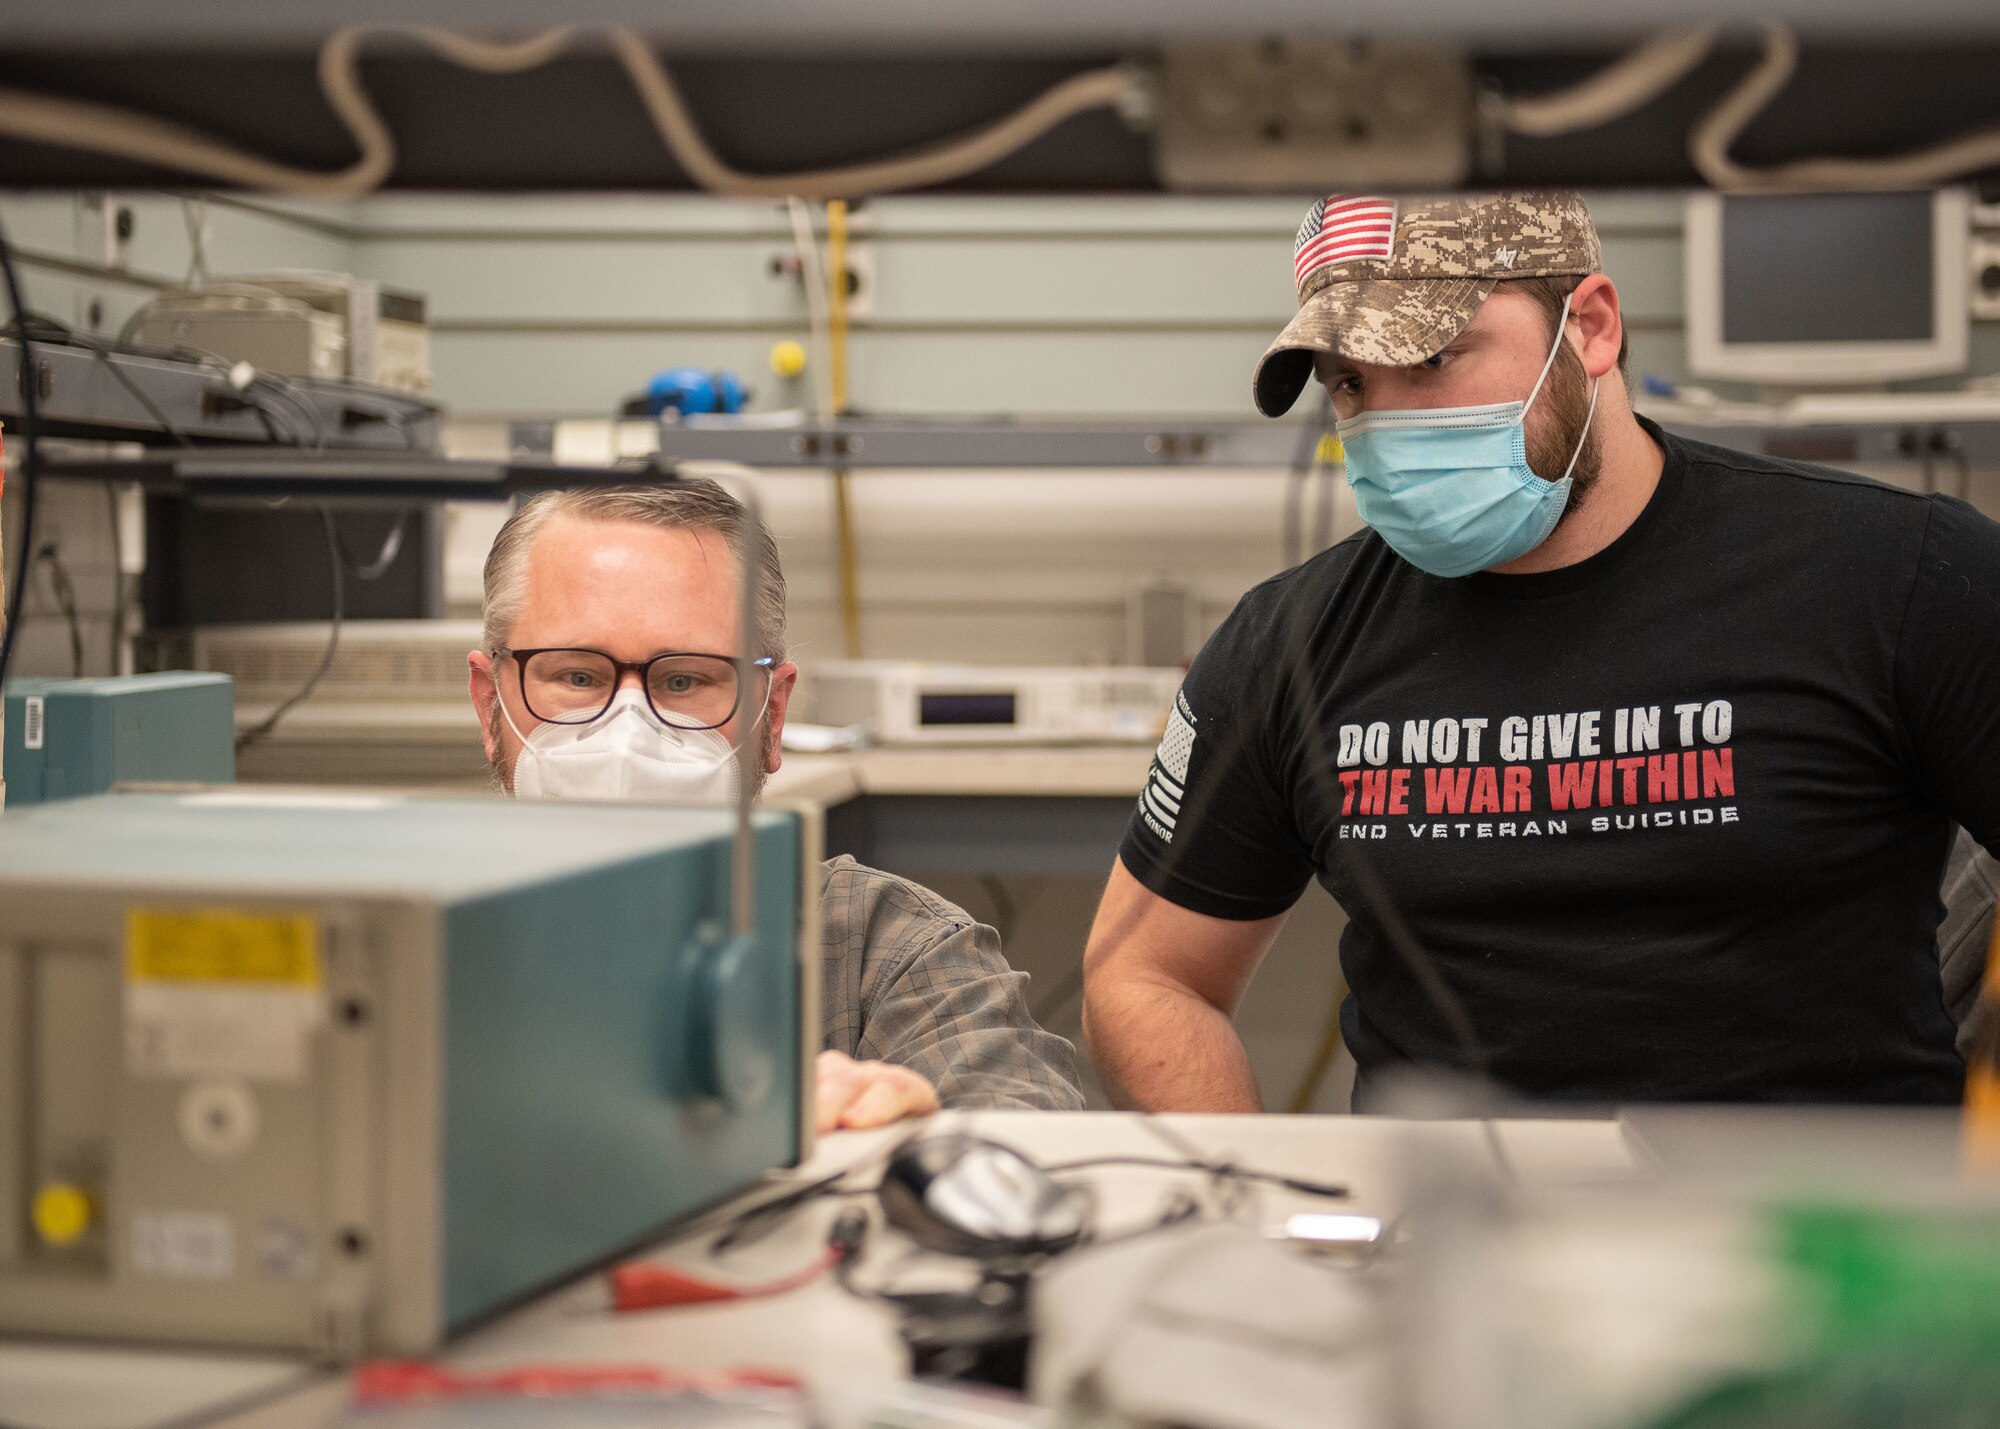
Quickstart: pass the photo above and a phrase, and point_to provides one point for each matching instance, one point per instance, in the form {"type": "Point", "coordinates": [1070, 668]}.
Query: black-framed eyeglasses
{"type": "Point", "coordinates": [568, 685]}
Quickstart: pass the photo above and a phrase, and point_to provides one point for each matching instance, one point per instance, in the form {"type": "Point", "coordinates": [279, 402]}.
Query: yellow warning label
{"type": "Point", "coordinates": [223, 945]}
{"type": "Point", "coordinates": [1329, 452]}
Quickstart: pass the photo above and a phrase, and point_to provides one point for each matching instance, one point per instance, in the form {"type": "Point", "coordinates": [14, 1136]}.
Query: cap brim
{"type": "Point", "coordinates": [1385, 322]}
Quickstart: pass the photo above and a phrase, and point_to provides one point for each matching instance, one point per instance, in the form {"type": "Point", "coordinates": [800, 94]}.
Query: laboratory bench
{"type": "Point", "coordinates": [988, 810]}
{"type": "Point", "coordinates": [845, 1350]}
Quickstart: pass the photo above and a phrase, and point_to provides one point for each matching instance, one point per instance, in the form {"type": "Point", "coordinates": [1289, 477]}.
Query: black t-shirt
{"type": "Point", "coordinates": [1670, 821]}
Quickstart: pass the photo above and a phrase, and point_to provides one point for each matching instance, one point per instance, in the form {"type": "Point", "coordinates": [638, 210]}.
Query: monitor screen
{"type": "Point", "coordinates": [965, 707]}
{"type": "Point", "coordinates": [1827, 268]}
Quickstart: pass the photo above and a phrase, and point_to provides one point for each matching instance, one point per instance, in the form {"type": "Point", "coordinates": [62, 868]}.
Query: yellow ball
{"type": "Point", "coordinates": [788, 358]}
{"type": "Point", "coordinates": [62, 1213]}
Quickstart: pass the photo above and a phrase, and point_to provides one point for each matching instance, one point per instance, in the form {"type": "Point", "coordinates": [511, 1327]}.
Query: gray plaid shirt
{"type": "Point", "coordinates": [911, 979]}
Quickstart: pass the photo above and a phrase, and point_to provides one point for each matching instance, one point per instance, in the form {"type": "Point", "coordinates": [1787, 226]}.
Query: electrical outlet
{"type": "Point", "coordinates": [1985, 279]}
{"type": "Point", "coordinates": [860, 264]}
{"type": "Point", "coordinates": [119, 222]}
{"type": "Point", "coordinates": [860, 279]}
{"type": "Point", "coordinates": [1296, 115]}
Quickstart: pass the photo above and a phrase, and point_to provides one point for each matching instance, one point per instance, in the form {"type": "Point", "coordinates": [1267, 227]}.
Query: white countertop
{"type": "Point", "coordinates": [846, 1350]}
{"type": "Point", "coordinates": [1114, 771]}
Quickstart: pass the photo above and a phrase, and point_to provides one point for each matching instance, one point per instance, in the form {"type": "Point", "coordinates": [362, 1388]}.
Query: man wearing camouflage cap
{"type": "Point", "coordinates": [1655, 747]}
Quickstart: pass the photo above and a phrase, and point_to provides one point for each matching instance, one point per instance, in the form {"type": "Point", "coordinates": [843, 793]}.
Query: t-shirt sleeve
{"type": "Point", "coordinates": [1948, 668]}
{"type": "Point", "coordinates": [1213, 832]}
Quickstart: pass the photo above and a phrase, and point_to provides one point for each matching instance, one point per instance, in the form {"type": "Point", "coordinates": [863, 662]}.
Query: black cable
{"type": "Point", "coordinates": [153, 410]}
{"type": "Point", "coordinates": [764, 1217]}
{"type": "Point", "coordinates": [254, 394]}
{"type": "Point", "coordinates": [1422, 966]}
{"type": "Point", "coordinates": [65, 592]}
{"type": "Point", "coordinates": [292, 393]}
{"type": "Point", "coordinates": [392, 546]}
{"type": "Point", "coordinates": [68, 336]}
{"type": "Point", "coordinates": [304, 692]}
{"type": "Point", "coordinates": [260, 401]}
{"type": "Point", "coordinates": [1234, 742]}
{"type": "Point", "coordinates": [1432, 984]}
{"type": "Point", "coordinates": [1164, 1132]}
{"type": "Point", "coordinates": [1180, 1210]}
{"type": "Point", "coordinates": [31, 456]}
{"type": "Point", "coordinates": [1330, 1190]}
{"type": "Point", "coordinates": [117, 583]}
{"type": "Point", "coordinates": [1320, 764]}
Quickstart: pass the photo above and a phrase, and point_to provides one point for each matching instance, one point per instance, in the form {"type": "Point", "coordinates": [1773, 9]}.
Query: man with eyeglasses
{"type": "Point", "coordinates": [608, 670]}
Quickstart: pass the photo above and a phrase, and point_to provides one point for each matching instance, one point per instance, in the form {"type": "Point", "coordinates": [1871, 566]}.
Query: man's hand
{"type": "Point", "coordinates": [850, 1095]}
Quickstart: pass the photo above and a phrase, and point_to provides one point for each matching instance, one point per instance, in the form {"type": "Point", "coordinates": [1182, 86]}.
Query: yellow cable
{"type": "Point", "coordinates": [1982, 1079]}
{"type": "Point", "coordinates": [843, 498]}
{"type": "Point", "coordinates": [836, 300]}
{"type": "Point", "coordinates": [850, 583]}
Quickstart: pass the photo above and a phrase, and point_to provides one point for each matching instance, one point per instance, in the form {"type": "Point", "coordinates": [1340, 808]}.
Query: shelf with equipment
{"type": "Point", "coordinates": [917, 442]}
{"type": "Point", "coordinates": [96, 391]}
{"type": "Point", "coordinates": [1883, 427]}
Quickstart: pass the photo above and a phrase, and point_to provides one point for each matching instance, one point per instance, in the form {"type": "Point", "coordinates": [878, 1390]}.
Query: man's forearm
{"type": "Point", "coordinates": [1160, 1047]}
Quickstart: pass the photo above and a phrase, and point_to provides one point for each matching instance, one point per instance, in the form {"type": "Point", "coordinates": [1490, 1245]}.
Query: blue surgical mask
{"type": "Point", "coordinates": [1449, 488]}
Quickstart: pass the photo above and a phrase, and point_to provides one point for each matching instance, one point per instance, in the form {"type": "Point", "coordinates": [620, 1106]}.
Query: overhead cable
{"type": "Point", "coordinates": [147, 139]}
{"type": "Point", "coordinates": [91, 127]}
{"type": "Point", "coordinates": [1094, 89]}
{"type": "Point", "coordinates": [1711, 140]}
{"type": "Point", "coordinates": [1626, 84]}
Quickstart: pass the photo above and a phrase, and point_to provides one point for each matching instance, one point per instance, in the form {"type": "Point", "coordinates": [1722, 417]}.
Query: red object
{"type": "Point", "coordinates": [643, 1285]}
{"type": "Point", "coordinates": [1342, 229]}
{"type": "Point", "coordinates": [416, 1381]}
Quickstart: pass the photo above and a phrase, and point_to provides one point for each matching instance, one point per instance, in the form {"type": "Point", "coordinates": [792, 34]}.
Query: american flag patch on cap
{"type": "Point", "coordinates": [1342, 229]}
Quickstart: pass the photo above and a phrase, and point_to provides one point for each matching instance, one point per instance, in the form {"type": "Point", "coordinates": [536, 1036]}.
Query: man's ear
{"type": "Point", "coordinates": [1600, 325]}
{"type": "Point", "coordinates": [784, 680]}
{"type": "Point", "coordinates": [485, 695]}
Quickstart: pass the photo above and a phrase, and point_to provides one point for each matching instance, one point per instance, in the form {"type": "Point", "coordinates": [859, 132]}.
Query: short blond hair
{"type": "Point", "coordinates": [694, 503]}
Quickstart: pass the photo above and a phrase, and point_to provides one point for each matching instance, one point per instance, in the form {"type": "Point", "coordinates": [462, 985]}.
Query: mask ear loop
{"type": "Point", "coordinates": [1584, 435]}
{"type": "Point", "coordinates": [753, 723]}
{"type": "Point", "coordinates": [500, 698]}
{"type": "Point", "coordinates": [1536, 391]}
{"type": "Point", "coordinates": [1562, 323]}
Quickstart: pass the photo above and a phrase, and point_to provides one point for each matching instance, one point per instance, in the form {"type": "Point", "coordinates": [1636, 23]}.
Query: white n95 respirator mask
{"type": "Point", "coordinates": [628, 753]}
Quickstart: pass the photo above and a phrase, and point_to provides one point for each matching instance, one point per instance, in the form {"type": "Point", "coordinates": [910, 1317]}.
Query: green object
{"type": "Point", "coordinates": [68, 738]}
{"type": "Point", "coordinates": [1917, 1281]}
{"type": "Point", "coordinates": [1896, 1315]}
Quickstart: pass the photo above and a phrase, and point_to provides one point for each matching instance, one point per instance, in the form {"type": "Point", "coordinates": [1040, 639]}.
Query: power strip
{"type": "Point", "coordinates": [1313, 115]}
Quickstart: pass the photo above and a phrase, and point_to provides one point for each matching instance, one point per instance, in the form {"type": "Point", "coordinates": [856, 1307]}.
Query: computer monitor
{"type": "Point", "coordinates": [1831, 289]}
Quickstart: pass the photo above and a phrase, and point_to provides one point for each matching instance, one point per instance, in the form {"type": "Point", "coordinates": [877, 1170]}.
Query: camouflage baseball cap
{"type": "Point", "coordinates": [1391, 282]}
